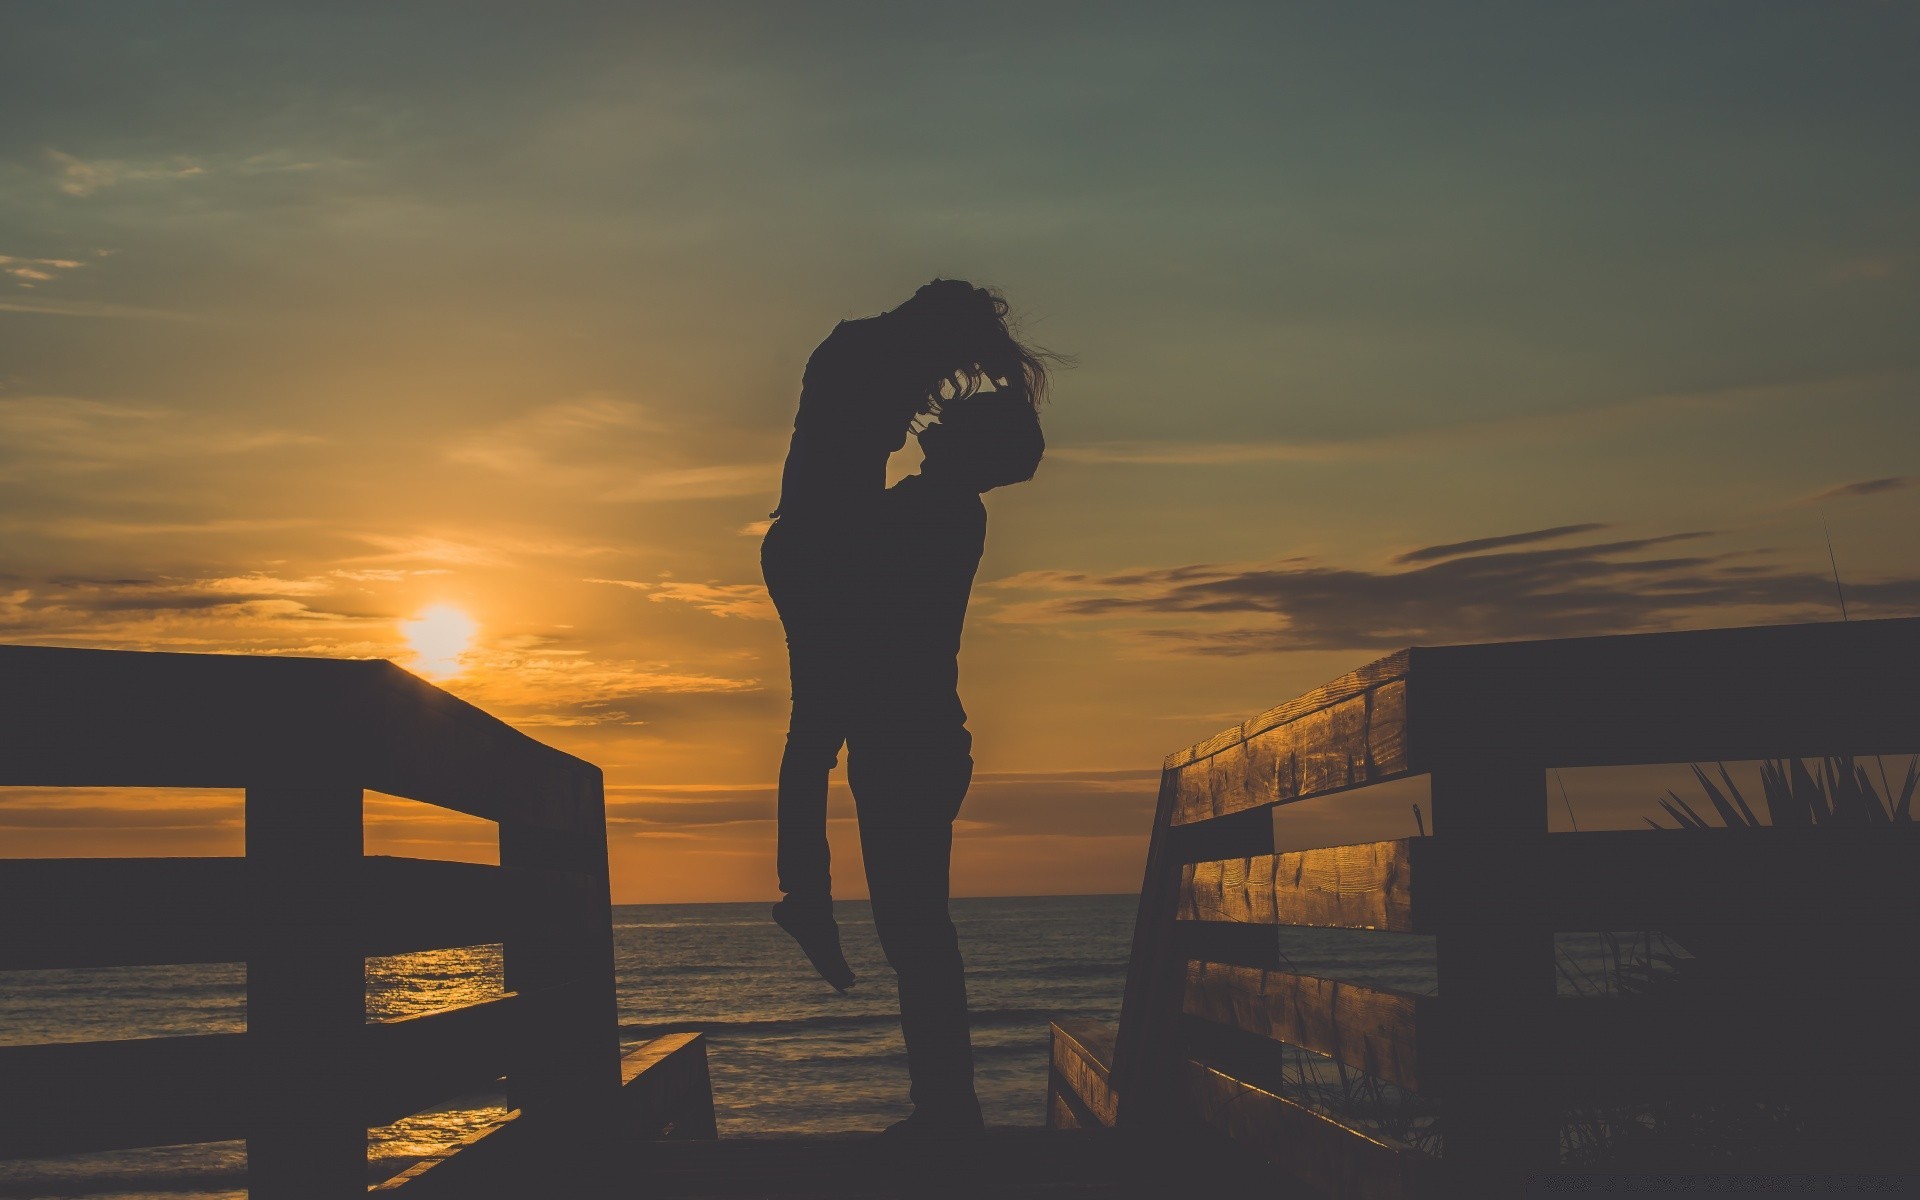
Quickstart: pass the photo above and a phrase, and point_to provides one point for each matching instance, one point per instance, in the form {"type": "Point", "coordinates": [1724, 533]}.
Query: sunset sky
{"type": "Point", "coordinates": [1394, 324]}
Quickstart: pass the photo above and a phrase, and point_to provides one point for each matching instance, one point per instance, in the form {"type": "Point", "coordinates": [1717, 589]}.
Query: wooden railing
{"type": "Point", "coordinates": [304, 908]}
{"type": "Point", "coordinates": [1207, 1007]}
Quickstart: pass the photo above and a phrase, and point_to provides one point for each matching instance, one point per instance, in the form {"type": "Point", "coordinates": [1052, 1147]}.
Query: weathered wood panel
{"type": "Point", "coordinates": [415, 1062]}
{"type": "Point", "coordinates": [1340, 1161]}
{"type": "Point", "coordinates": [490, 1161]}
{"type": "Point", "coordinates": [306, 991]}
{"type": "Point", "coordinates": [576, 1079]}
{"type": "Point", "coordinates": [1145, 1050]}
{"type": "Point", "coordinates": [665, 1089]}
{"type": "Point", "coordinates": [1624, 879]}
{"type": "Point", "coordinates": [1351, 742]}
{"type": "Point", "coordinates": [1355, 683]}
{"type": "Point", "coordinates": [1366, 886]}
{"type": "Point", "coordinates": [1723, 694]}
{"type": "Point", "coordinates": [1694, 696]}
{"type": "Point", "coordinates": [120, 718]}
{"type": "Point", "coordinates": [96, 912]}
{"type": "Point", "coordinates": [1082, 1065]}
{"type": "Point", "coordinates": [1376, 1030]}
{"type": "Point", "coordinates": [86, 1096]}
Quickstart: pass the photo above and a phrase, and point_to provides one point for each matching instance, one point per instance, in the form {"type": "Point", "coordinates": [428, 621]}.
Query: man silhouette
{"type": "Point", "coordinates": [909, 754]}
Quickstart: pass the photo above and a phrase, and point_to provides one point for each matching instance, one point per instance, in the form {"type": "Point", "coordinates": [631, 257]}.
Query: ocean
{"type": "Point", "coordinates": [787, 1055]}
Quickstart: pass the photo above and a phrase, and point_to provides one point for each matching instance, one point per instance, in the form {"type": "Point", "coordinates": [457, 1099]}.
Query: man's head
{"type": "Point", "coordinates": [985, 441]}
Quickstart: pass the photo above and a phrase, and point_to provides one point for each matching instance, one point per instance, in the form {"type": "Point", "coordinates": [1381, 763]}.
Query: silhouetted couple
{"type": "Point", "coordinates": [871, 584]}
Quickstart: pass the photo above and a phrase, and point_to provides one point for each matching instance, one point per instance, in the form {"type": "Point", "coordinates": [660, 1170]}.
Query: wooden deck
{"type": "Point", "coordinates": [1009, 1164]}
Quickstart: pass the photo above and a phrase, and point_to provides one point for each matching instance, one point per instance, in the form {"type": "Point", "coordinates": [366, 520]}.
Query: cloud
{"type": "Point", "coordinates": [1854, 270]}
{"type": "Point", "coordinates": [1200, 454]}
{"type": "Point", "coordinates": [748, 600]}
{"type": "Point", "coordinates": [458, 550]}
{"type": "Point", "coordinates": [112, 808]}
{"type": "Point", "coordinates": [1451, 549]}
{"type": "Point", "coordinates": [1866, 487]}
{"type": "Point", "coordinates": [1480, 591]}
{"type": "Point", "coordinates": [94, 308]}
{"type": "Point", "coordinates": [46, 436]}
{"type": "Point", "coordinates": [30, 271]}
{"type": "Point", "coordinates": [1007, 804]}
{"type": "Point", "coordinates": [78, 177]}
{"type": "Point", "coordinates": [607, 450]}
{"type": "Point", "coordinates": [1539, 427]}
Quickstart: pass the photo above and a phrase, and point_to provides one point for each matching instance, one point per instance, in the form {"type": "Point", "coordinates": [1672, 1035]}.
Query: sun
{"type": "Point", "coordinates": [438, 637]}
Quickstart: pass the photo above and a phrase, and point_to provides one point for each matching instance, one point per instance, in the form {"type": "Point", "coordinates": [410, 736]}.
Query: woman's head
{"type": "Point", "coordinates": [986, 441]}
{"type": "Point", "coordinates": [960, 333]}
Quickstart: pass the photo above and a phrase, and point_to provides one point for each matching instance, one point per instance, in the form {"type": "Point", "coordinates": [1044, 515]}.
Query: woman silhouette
{"type": "Point", "coordinates": [832, 570]}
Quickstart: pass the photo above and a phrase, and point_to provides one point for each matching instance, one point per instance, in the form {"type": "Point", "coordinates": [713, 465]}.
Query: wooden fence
{"type": "Point", "coordinates": [1207, 1006]}
{"type": "Point", "coordinates": [304, 908]}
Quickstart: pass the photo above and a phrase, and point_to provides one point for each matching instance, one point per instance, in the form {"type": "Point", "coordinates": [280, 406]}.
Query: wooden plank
{"type": "Point", "coordinates": [95, 912]}
{"type": "Point", "coordinates": [1082, 1064]}
{"type": "Point", "coordinates": [1701, 695]}
{"type": "Point", "coordinates": [576, 1081]}
{"type": "Point", "coordinates": [100, 912]}
{"type": "Point", "coordinates": [87, 1096]}
{"type": "Point", "coordinates": [1376, 1030]}
{"type": "Point", "coordinates": [1338, 1160]}
{"type": "Point", "coordinates": [415, 1062]}
{"type": "Point", "coordinates": [1366, 886]}
{"type": "Point", "coordinates": [1615, 1046]}
{"type": "Point", "coordinates": [665, 1090]}
{"type": "Point", "coordinates": [119, 718]}
{"type": "Point", "coordinates": [1610, 880]}
{"type": "Point", "coordinates": [1354, 683]}
{"type": "Point", "coordinates": [306, 991]}
{"type": "Point", "coordinates": [1500, 1126]}
{"type": "Point", "coordinates": [490, 1161]}
{"type": "Point", "coordinates": [1145, 1051]}
{"type": "Point", "coordinates": [1348, 743]}
{"type": "Point", "coordinates": [1061, 1113]}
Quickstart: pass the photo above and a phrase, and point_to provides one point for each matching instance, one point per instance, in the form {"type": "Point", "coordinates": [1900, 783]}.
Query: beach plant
{"type": "Point", "coordinates": [1842, 793]}
{"type": "Point", "coordinates": [1776, 1122]}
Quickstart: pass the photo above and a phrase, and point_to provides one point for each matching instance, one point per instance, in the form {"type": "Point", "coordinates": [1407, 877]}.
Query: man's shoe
{"type": "Point", "coordinates": [924, 1128]}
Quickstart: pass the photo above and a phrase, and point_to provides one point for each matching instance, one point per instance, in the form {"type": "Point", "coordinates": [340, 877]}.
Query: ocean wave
{"type": "Point", "coordinates": [979, 1019]}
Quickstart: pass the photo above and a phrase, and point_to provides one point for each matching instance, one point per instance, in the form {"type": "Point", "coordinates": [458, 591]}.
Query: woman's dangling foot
{"type": "Point", "coordinates": [814, 928]}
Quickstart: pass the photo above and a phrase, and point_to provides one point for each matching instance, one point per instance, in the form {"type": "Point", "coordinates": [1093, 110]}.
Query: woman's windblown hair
{"type": "Point", "coordinates": [964, 330]}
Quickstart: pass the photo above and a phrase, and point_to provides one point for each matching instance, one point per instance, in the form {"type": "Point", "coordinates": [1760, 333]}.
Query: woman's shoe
{"type": "Point", "coordinates": [819, 937]}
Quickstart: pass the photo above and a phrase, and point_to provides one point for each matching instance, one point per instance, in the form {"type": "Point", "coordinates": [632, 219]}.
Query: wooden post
{"type": "Point", "coordinates": [1498, 1127]}
{"type": "Point", "coordinates": [306, 991]}
{"type": "Point", "coordinates": [1146, 1052]}
{"type": "Point", "coordinates": [570, 1077]}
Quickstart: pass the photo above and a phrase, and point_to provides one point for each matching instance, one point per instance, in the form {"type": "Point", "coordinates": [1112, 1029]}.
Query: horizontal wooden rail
{"type": "Point", "coordinates": [71, 1098]}
{"type": "Point", "coordinates": [1618, 1046]}
{"type": "Point", "coordinates": [1335, 1158]}
{"type": "Point", "coordinates": [116, 718]}
{"type": "Point", "coordinates": [416, 1062]}
{"type": "Point", "coordinates": [101, 912]}
{"type": "Point", "coordinates": [1614, 880]}
{"type": "Point", "coordinates": [1080, 1075]}
{"type": "Point", "coordinates": [1701, 695]}
{"type": "Point", "coordinates": [1345, 735]}
{"type": "Point", "coordinates": [66, 1098]}
{"type": "Point", "coordinates": [665, 1092]}
{"type": "Point", "coordinates": [1375, 1030]}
